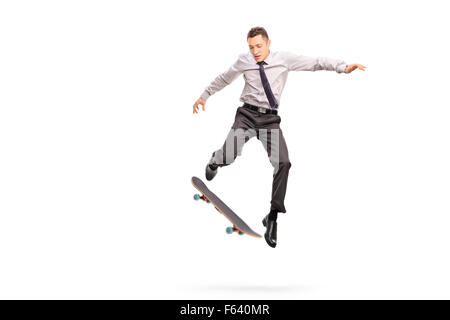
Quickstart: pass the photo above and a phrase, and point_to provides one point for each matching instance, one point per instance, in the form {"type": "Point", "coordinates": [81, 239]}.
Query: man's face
{"type": "Point", "coordinates": [259, 47]}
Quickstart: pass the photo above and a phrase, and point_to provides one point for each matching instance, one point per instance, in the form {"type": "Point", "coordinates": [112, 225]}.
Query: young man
{"type": "Point", "coordinates": [265, 73]}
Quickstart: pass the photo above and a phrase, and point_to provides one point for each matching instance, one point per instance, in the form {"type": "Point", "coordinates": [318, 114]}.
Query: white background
{"type": "Point", "coordinates": [98, 143]}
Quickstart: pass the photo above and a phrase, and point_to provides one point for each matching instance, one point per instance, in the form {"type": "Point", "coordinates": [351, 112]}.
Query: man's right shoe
{"type": "Point", "coordinates": [211, 171]}
{"type": "Point", "coordinates": [271, 231]}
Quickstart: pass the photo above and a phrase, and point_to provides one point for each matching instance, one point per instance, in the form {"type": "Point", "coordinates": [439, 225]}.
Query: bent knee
{"type": "Point", "coordinates": [285, 164]}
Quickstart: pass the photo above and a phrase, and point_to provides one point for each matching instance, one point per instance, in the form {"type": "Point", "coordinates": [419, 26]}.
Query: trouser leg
{"type": "Point", "coordinates": [276, 148]}
{"type": "Point", "coordinates": [232, 146]}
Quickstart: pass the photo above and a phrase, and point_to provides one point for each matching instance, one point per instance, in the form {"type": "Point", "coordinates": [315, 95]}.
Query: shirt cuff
{"type": "Point", "coordinates": [341, 68]}
{"type": "Point", "coordinates": [205, 95]}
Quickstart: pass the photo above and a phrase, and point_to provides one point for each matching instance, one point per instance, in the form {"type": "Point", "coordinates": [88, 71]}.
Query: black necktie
{"type": "Point", "coordinates": [272, 101]}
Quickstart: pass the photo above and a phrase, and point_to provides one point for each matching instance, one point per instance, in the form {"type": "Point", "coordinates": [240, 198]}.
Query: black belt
{"type": "Point", "coordinates": [259, 109]}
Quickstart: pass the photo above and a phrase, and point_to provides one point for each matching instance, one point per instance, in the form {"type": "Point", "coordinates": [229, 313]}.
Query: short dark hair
{"type": "Point", "coordinates": [256, 31]}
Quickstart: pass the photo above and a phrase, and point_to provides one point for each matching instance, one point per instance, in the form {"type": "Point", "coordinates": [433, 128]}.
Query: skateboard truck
{"type": "Point", "coordinates": [198, 197]}
{"type": "Point", "coordinates": [232, 229]}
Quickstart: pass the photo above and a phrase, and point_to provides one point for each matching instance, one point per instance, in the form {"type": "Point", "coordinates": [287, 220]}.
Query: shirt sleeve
{"type": "Point", "coordinates": [223, 79]}
{"type": "Point", "coordinates": [303, 63]}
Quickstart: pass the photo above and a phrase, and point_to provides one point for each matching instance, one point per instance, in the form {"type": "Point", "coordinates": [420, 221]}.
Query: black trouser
{"type": "Point", "coordinates": [266, 127]}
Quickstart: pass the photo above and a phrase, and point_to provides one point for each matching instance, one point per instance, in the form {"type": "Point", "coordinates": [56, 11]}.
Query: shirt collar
{"type": "Point", "coordinates": [269, 58]}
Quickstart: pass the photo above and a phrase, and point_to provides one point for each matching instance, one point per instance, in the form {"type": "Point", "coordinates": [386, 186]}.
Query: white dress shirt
{"type": "Point", "coordinates": [278, 65]}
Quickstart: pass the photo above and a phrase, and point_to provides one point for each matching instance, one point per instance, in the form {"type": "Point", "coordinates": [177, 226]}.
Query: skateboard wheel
{"type": "Point", "coordinates": [196, 196]}
{"type": "Point", "coordinates": [241, 233]}
{"type": "Point", "coordinates": [229, 230]}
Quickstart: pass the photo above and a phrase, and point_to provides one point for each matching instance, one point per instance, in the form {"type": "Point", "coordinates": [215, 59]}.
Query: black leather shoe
{"type": "Point", "coordinates": [271, 231]}
{"type": "Point", "coordinates": [210, 171]}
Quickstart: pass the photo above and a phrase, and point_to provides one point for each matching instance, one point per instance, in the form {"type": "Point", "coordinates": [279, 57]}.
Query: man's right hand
{"type": "Point", "coordinates": [199, 101]}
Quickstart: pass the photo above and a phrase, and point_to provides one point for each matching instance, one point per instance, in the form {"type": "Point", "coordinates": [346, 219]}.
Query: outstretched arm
{"type": "Point", "coordinates": [304, 63]}
{"type": "Point", "coordinates": [222, 80]}
{"type": "Point", "coordinates": [219, 83]}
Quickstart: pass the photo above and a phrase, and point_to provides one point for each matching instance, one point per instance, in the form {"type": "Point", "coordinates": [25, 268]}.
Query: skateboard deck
{"type": "Point", "coordinates": [207, 195]}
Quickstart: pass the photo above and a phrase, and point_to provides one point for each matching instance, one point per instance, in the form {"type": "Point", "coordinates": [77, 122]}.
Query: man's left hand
{"type": "Point", "coordinates": [352, 67]}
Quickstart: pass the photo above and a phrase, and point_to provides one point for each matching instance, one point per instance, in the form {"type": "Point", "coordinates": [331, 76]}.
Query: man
{"type": "Point", "coordinates": [265, 73]}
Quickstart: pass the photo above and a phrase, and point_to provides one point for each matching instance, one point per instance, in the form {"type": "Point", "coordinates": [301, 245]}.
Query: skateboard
{"type": "Point", "coordinates": [208, 196]}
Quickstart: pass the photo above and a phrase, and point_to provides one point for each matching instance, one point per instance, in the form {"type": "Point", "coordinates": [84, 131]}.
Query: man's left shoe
{"type": "Point", "coordinates": [271, 231]}
{"type": "Point", "coordinates": [210, 171]}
